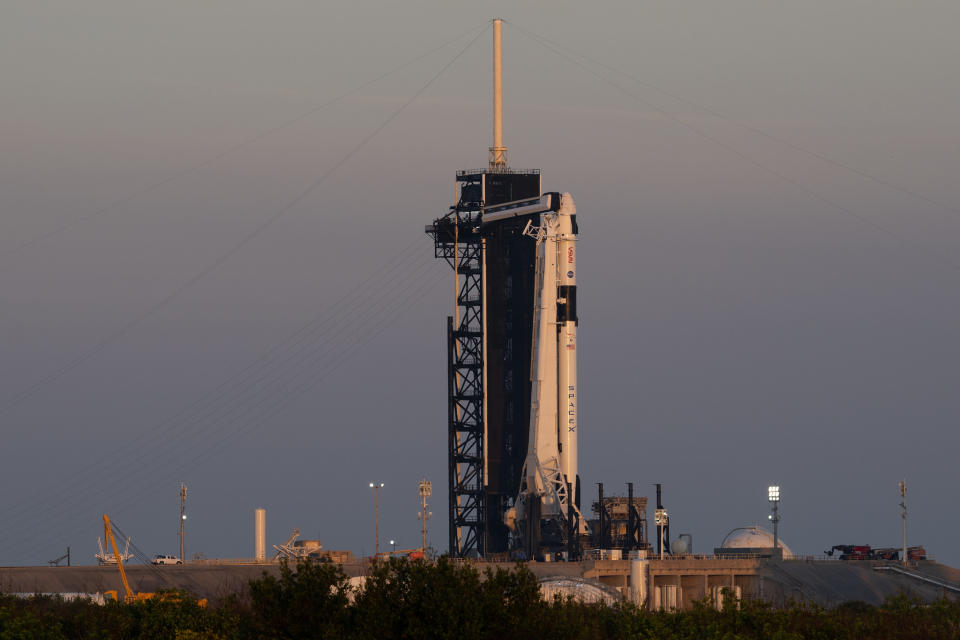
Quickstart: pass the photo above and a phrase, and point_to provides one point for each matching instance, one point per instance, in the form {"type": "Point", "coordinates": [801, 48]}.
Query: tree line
{"type": "Point", "coordinates": [414, 600]}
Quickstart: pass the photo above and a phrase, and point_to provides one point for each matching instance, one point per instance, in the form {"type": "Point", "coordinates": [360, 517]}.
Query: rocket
{"type": "Point", "coordinates": [567, 391]}
{"type": "Point", "coordinates": [549, 473]}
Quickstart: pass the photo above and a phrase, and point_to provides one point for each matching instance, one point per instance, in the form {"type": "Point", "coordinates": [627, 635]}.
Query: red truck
{"type": "Point", "coordinates": [866, 552]}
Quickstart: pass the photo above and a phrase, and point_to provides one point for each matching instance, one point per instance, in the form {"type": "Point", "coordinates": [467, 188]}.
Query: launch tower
{"type": "Point", "coordinates": [490, 338]}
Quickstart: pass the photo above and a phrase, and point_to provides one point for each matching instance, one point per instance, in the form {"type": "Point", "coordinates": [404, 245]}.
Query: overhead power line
{"type": "Point", "coordinates": [766, 168]}
{"type": "Point", "coordinates": [193, 169]}
{"type": "Point", "coordinates": [236, 407]}
{"type": "Point", "coordinates": [119, 333]}
{"type": "Point", "coordinates": [121, 491]}
{"type": "Point", "coordinates": [338, 326]}
{"type": "Point", "coordinates": [744, 125]}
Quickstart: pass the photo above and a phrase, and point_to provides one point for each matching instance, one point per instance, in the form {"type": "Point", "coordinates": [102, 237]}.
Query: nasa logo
{"type": "Point", "coordinates": [570, 255]}
{"type": "Point", "coordinates": [569, 274]}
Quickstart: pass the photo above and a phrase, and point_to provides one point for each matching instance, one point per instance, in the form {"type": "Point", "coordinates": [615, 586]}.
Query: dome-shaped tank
{"type": "Point", "coordinates": [753, 538]}
{"type": "Point", "coordinates": [580, 589]}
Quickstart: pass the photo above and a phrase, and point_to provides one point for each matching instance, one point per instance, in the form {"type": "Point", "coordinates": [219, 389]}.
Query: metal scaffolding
{"type": "Point", "coordinates": [457, 241]}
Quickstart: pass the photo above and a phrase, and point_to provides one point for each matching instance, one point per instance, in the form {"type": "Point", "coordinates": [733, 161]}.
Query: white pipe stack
{"type": "Point", "coordinates": [260, 535]}
{"type": "Point", "coordinates": [639, 570]}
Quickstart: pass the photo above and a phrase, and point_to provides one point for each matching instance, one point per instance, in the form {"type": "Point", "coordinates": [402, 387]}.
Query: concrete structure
{"type": "Point", "coordinates": [677, 581]}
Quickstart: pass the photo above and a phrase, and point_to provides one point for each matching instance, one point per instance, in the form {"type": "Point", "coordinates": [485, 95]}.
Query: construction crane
{"type": "Point", "coordinates": [294, 550]}
{"type": "Point", "coordinates": [104, 556]}
{"type": "Point", "coordinates": [129, 596]}
{"type": "Point", "coordinates": [111, 542]}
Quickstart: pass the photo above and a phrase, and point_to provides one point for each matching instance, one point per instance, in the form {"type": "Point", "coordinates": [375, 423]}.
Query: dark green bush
{"type": "Point", "coordinates": [419, 600]}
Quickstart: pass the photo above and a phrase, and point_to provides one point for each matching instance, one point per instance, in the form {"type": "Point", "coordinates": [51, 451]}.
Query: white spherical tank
{"type": "Point", "coordinates": [753, 538]}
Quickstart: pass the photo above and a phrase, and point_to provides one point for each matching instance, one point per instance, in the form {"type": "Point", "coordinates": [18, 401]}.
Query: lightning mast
{"type": "Point", "coordinates": [498, 152]}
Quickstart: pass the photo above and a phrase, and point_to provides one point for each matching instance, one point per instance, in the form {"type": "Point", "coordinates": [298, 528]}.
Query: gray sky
{"type": "Point", "coordinates": [751, 313]}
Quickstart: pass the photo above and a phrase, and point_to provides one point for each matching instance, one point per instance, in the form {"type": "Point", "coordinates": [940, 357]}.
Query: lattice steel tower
{"type": "Point", "coordinates": [488, 343]}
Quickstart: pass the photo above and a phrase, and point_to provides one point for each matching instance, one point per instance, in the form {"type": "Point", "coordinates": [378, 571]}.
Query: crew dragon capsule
{"type": "Point", "coordinates": [548, 485]}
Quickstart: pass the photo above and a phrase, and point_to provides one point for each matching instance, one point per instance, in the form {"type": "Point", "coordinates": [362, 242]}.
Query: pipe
{"type": "Point", "coordinates": [260, 535]}
{"type": "Point", "coordinates": [639, 570]}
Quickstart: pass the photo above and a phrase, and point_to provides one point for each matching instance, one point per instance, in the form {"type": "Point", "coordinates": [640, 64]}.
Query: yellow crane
{"type": "Point", "coordinates": [128, 594]}
{"type": "Point", "coordinates": [111, 542]}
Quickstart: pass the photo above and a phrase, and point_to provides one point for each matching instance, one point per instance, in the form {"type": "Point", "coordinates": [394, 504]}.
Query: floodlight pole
{"type": "Point", "coordinates": [773, 495]}
{"type": "Point", "coordinates": [661, 519]}
{"type": "Point", "coordinates": [776, 520]}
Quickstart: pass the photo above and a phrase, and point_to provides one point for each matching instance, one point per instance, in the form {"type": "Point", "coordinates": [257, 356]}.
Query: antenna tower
{"type": "Point", "coordinates": [903, 514]}
{"type": "Point", "coordinates": [425, 489]}
{"type": "Point", "coordinates": [183, 521]}
{"type": "Point", "coordinates": [488, 341]}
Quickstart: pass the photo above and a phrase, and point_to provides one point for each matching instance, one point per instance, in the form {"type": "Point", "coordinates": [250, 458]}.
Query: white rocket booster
{"type": "Point", "coordinates": [567, 391]}
{"type": "Point", "coordinates": [550, 468]}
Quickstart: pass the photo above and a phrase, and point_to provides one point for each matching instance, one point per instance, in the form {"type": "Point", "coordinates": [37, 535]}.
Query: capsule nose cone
{"type": "Point", "coordinates": [567, 207]}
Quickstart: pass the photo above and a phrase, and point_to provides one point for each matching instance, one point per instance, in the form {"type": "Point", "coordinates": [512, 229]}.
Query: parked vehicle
{"type": "Point", "coordinates": [852, 551]}
{"type": "Point", "coordinates": [865, 552]}
{"type": "Point", "coordinates": [162, 559]}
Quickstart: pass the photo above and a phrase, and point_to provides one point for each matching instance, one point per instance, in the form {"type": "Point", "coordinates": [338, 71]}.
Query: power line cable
{"type": "Point", "coordinates": [132, 490]}
{"type": "Point", "coordinates": [722, 116]}
{"type": "Point", "coordinates": [903, 241]}
{"type": "Point", "coordinates": [139, 554]}
{"type": "Point", "coordinates": [30, 391]}
{"type": "Point", "coordinates": [290, 391]}
{"type": "Point", "coordinates": [115, 486]}
{"type": "Point", "coordinates": [243, 388]}
{"type": "Point", "coordinates": [188, 171]}
{"type": "Point", "coordinates": [359, 293]}
{"type": "Point", "coordinates": [176, 430]}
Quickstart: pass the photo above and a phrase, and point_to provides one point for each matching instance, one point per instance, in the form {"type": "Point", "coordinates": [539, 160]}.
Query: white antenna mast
{"type": "Point", "coordinates": [498, 152]}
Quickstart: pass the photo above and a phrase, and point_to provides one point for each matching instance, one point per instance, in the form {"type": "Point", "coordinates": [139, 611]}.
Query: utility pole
{"type": "Point", "coordinates": [903, 514]}
{"type": "Point", "coordinates": [425, 489]}
{"type": "Point", "coordinates": [376, 486]}
{"type": "Point", "coordinates": [183, 522]}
